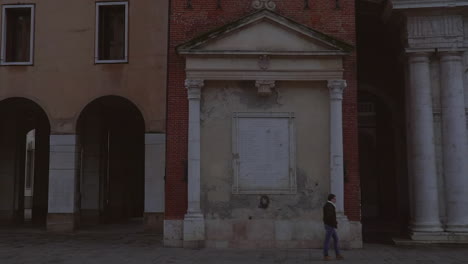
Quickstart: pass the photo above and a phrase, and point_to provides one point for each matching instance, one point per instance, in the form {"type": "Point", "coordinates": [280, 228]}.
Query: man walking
{"type": "Point", "coordinates": [329, 219]}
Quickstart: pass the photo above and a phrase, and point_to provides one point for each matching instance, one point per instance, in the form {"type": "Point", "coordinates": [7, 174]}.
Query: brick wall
{"type": "Point", "coordinates": [186, 23]}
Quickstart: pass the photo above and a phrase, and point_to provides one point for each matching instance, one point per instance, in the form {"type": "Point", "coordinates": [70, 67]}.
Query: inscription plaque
{"type": "Point", "coordinates": [263, 148]}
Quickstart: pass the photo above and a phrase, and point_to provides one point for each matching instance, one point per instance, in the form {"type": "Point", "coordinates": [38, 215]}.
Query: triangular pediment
{"type": "Point", "coordinates": [265, 32]}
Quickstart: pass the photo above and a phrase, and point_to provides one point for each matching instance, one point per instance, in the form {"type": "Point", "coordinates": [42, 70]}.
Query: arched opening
{"type": "Point", "coordinates": [24, 162]}
{"type": "Point", "coordinates": [111, 135]}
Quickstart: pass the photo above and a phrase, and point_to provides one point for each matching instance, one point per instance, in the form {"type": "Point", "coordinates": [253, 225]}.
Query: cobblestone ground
{"type": "Point", "coordinates": [107, 247]}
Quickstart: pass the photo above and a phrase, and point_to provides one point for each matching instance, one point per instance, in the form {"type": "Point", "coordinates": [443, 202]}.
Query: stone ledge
{"type": "Point", "coordinates": [433, 238]}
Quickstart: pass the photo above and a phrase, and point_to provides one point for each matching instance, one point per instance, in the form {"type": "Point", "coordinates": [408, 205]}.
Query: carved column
{"type": "Point", "coordinates": [194, 224]}
{"type": "Point", "coordinates": [336, 88]}
{"type": "Point", "coordinates": [424, 175]}
{"type": "Point", "coordinates": [455, 156]}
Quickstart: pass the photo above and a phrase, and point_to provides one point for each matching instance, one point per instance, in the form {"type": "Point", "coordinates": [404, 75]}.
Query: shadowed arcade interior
{"type": "Point", "coordinates": [111, 136]}
{"type": "Point", "coordinates": [24, 162]}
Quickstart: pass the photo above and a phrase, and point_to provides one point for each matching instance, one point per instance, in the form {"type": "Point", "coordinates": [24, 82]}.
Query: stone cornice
{"type": "Point", "coordinates": [413, 4]}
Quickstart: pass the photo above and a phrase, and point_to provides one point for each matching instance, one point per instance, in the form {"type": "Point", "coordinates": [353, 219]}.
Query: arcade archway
{"type": "Point", "coordinates": [24, 162]}
{"type": "Point", "coordinates": [111, 136]}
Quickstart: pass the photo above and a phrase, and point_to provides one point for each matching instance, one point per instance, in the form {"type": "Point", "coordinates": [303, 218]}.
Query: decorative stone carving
{"type": "Point", "coordinates": [431, 31]}
{"type": "Point", "coordinates": [264, 62]}
{"type": "Point", "coordinates": [432, 26]}
{"type": "Point", "coordinates": [336, 89]}
{"type": "Point", "coordinates": [260, 4]}
{"type": "Point", "coordinates": [264, 87]}
{"type": "Point", "coordinates": [194, 88]}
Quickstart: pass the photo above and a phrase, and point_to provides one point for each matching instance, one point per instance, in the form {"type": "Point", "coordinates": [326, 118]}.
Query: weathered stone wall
{"type": "Point", "coordinates": [291, 220]}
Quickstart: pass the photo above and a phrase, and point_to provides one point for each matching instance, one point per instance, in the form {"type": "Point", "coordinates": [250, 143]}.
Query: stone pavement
{"type": "Point", "coordinates": [106, 247]}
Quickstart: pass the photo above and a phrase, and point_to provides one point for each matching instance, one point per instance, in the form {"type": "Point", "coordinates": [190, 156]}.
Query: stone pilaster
{"type": "Point", "coordinates": [425, 213]}
{"type": "Point", "coordinates": [336, 88]}
{"type": "Point", "coordinates": [194, 223]}
{"type": "Point", "coordinates": [454, 138]}
{"type": "Point", "coordinates": [155, 149]}
{"type": "Point", "coordinates": [63, 170]}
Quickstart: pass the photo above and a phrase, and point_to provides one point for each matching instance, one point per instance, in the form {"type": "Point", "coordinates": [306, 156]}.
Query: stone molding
{"type": "Point", "coordinates": [435, 26]}
{"type": "Point", "coordinates": [264, 87]}
{"type": "Point", "coordinates": [410, 4]}
{"type": "Point", "coordinates": [446, 56]}
{"type": "Point", "coordinates": [419, 56]}
{"type": "Point", "coordinates": [435, 31]}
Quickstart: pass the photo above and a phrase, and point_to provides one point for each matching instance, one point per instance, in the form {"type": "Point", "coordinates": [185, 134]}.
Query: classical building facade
{"type": "Point", "coordinates": [420, 91]}
{"type": "Point", "coordinates": [262, 123]}
{"type": "Point", "coordinates": [83, 87]}
{"type": "Point", "coordinates": [437, 89]}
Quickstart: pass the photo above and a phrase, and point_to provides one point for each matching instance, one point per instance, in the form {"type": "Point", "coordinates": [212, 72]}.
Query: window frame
{"type": "Point", "coordinates": [96, 43]}
{"type": "Point", "coordinates": [236, 186]}
{"type": "Point", "coordinates": [4, 34]}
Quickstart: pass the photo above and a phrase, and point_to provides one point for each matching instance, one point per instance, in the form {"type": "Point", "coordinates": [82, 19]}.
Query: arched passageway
{"type": "Point", "coordinates": [111, 136]}
{"type": "Point", "coordinates": [24, 162]}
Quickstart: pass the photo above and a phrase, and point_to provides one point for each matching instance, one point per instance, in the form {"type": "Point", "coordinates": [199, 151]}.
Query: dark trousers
{"type": "Point", "coordinates": [330, 232]}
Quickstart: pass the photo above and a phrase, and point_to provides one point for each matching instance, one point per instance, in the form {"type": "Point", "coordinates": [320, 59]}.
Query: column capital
{"type": "Point", "coordinates": [450, 55]}
{"type": "Point", "coordinates": [264, 87]}
{"type": "Point", "coordinates": [193, 87]}
{"type": "Point", "coordinates": [336, 88]}
{"type": "Point", "coordinates": [419, 56]}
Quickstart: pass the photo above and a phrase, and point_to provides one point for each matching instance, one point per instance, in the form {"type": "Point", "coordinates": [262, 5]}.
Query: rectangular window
{"type": "Point", "coordinates": [111, 32]}
{"type": "Point", "coordinates": [17, 34]}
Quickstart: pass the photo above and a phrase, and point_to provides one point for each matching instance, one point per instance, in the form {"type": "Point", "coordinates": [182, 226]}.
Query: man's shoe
{"type": "Point", "coordinates": [339, 257]}
{"type": "Point", "coordinates": [327, 258]}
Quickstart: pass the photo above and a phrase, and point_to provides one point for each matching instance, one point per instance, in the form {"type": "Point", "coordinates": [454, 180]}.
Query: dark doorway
{"type": "Point", "coordinates": [111, 131]}
{"type": "Point", "coordinates": [383, 178]}
{"type": "Point", "coordinates": [24, 162]}
{"type": "Point", "coordinates": [382, 122]}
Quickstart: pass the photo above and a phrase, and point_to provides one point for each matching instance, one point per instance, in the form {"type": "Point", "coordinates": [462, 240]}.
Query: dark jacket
{"type": "Point", "coordinates": [329, 215]}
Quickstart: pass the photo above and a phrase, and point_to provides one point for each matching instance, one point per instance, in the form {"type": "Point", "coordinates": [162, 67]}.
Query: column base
{"type": "Point", "coordinates": [61, 222]}
{"type": "Point", "coordinates": [349, 232]}
{"type": "Point", "coordinates": [457, 228]}
{"type": "Point", "coordinates": [154, 222]}
{"type": "Point", "coordinates": [434, 238]}
{"type": "Point", "coordinates": [194, 231]}
{"type": "Point", "coordinates": [173, 233]}
{"type": "Point", "coordinates": [426, 228]}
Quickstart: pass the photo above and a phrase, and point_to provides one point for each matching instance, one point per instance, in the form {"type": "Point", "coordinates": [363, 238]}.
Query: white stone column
{"type": "Point", "coordinates": [63, 169]}
{"type": "Point", "coordinates": [336, 88]}
{"type": "Point", "coordinates": [194, 223]}
{"type": "Point", "coordinates": [455, 156]}
{"type": "Point", "coordinates": [155, 153]}
{"type": "Point", "coordinates": [425, 215]}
